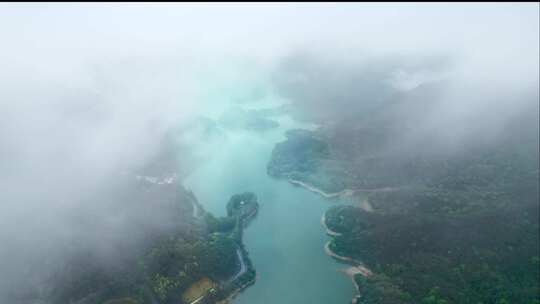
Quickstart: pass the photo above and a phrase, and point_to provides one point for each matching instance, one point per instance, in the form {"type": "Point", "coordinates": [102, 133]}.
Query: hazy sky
{"type": "Point", "coordinates": [88, 88]}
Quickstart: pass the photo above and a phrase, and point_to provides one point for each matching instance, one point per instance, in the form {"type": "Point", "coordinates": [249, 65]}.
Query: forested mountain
{"type": "Point", "coordinates": [447, 222]}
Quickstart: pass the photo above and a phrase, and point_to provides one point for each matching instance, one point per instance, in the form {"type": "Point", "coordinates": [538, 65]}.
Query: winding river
{"type": "Point", "coordinates": [286, 239]}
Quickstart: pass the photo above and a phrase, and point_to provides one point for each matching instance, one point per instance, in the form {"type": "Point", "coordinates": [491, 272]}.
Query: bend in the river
{"type": "Point", "coordinates": [286, 241]}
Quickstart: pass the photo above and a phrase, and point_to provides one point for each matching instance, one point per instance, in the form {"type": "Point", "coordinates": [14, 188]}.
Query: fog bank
{"type": "Point", "coordinates": [89, 90]}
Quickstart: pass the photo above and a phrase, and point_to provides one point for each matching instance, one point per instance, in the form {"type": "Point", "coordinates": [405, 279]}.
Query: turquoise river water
{"type": "Point", "coordinates": [285, 241]}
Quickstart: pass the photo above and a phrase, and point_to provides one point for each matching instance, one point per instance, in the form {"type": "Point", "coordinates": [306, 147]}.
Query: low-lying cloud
{"type": "Point", "coordinates": [87, 90]}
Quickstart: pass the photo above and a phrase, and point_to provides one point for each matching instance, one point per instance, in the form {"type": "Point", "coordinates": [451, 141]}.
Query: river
{"type": "Point", "coordinates": [285, 240]}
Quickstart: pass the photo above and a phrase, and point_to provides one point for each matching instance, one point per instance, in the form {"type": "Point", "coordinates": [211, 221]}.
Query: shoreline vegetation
{"type": "Point", "coordinates": [241, 209]}
{"type": "Point", "coordinates": [180, 254]}
{"type": "Point", "coordinates": [286, 164]}
{"type": "Point", "coordinates": [235, 292]}
{"type": "Point", "coordinates": [199, 212]}
{"type": "Point", "coordinates": [357, 269]}
{"type": "Point", "coordinates": [328, 230]}
{"type": "Point", "coordinates": [232, 295]}
{"type": "Point", "coordinates": [415, 200]}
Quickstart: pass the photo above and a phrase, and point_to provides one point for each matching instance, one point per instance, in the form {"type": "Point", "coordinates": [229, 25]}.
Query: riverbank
{"type": "Point", "coordinates": [350, 271]}
{"type": "Point", "coordinates": [328, 230]}
{"type": "Point", "coordinates": [287, 206]}
{"type": "Point", "coordinates": [329, 252]}
{"type": "Point", "coordinates": [245, 276]}
{"type": "Point", "coordinates": [358, 268]}
{"type": "Point", "coordinates": [243, 269]}
{"type": "Point", "coordinates": [234, 293]}
{"type": "Point", "coordinates": [345, 192]}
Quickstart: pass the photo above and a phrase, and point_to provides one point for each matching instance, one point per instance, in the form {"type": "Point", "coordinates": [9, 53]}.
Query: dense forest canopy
{"type": "Point", "coordinates": [448, 221]}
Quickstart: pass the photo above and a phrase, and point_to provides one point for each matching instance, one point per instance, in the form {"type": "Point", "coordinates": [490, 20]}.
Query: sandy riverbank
{"type": "Point", "coordinates": [346, 192]}
{"type": "Point", "coordinates": [328, 230]}
{"type": "Point", "coordinates": [351, 271]}
{"type": "Point", "coordinates": [358, 268]}
{"type": "Point", "coordinates": [329, 252]}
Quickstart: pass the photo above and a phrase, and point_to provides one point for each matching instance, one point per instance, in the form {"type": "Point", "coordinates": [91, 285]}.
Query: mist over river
{"type": "Point", "coordinates": [285, 241]}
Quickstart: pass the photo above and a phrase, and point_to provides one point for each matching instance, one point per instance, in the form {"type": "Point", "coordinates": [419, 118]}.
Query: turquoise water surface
{"type": "Point", "coordinates": [285, 241]}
